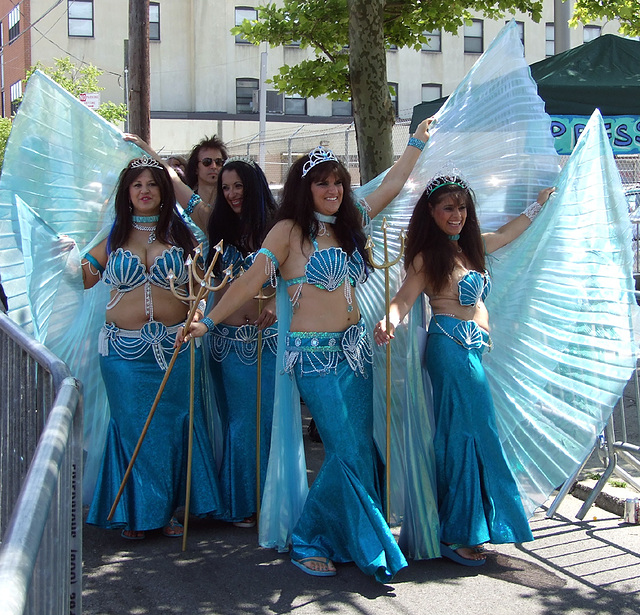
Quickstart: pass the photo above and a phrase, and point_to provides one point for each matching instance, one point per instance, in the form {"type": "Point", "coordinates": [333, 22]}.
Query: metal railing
{"type": "Point", "coordinates": [40, 479]}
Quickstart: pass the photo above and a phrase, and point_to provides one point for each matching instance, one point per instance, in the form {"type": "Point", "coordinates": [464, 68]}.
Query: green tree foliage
{"type": "Point", "coordinates": [79, 80]}
{"type": "Point", "coordinates": [5, 129]}
{"type": "Point", "coordinates": [348, 38]}
{"type": "Point", "coordinates": [626, 11]}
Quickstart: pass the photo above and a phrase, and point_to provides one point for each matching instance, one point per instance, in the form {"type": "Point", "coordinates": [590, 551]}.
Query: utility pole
{"type": "Point", "coordinates": [139, 70]}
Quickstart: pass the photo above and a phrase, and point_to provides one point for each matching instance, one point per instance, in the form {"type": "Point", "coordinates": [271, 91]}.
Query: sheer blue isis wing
{"type": "Point", "coordinates": [61, 166]}
{"type": "Point", "coordinates": [561, 311]}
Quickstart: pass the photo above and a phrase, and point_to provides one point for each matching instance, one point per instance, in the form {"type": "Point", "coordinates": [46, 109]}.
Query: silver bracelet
{"type": "Point", "coordinates": [202, 306]}
{"type": "Point", "coordinates": [533, 210]}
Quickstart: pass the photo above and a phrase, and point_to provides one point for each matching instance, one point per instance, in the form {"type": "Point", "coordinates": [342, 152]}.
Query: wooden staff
{"type": "Point", "coordinates": [195, 299]}
{"type": "Point", "coordinates": [386, 265]}
{"type": "Point", "coordinates": [260, 297]}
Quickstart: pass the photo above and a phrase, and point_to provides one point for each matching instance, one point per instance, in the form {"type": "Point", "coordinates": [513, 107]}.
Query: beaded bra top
{"type": "Point", "coordinates": [473, 287]}
{"type": "Point", "coordinates": [125, 271]}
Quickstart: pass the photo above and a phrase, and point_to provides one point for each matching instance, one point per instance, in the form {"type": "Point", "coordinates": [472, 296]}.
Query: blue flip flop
{"type": "Point", "coordinates": [314, 573]}
{"type": "Point", "coordinates": [449, 553]}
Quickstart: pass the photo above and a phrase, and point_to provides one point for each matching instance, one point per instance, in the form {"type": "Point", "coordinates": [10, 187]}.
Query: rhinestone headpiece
{"type": "Point", "coordinates": [244, 159]}
{"type": "Point", "coordinates": [439, 181]}
{"type": "Point", "coordinates": [145, 161]}
{"type": "Point", "coordinates": [317, 156]}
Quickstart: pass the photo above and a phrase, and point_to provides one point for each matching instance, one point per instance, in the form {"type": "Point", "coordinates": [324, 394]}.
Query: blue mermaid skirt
{"type": "Point", "coordinates": [233, 363]}
{"type": "Point", "coordinates": [157, 483]}
{"type": "Point", "coordinates": [478, 500]}
{"type": "Point", "coordinates": [342, 516]}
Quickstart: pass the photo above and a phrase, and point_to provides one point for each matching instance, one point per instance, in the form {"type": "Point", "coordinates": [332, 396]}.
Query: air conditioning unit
{"type": "Point", "coordinates": [275, 102]}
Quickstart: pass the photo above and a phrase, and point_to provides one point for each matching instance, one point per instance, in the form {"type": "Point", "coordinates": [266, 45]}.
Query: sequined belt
{"type": "Point", "coordinates": [131, 344]}
{"type": "Point", "coordinates": [322, 351]}
{"type": "Point", "coordinates": [467, 333]}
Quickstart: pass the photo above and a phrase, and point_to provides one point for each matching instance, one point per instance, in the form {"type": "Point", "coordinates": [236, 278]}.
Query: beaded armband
{"type": "Point", "coordinates": [533, 210]}
{"type": "Point", "coordinates": [191, 205]}
{"type": "Point", "coordinates": [208, 323]}
{"type": "Point", "coordinates": [271, 267]}
{"type": "Point", "coordinates": [91, 261]}
{"type": "Point", "coordinates": [415, 142]}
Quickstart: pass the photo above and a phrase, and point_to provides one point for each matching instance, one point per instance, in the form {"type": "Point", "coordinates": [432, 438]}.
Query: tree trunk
{"type": "Point", "coordinates": [139, 70]}
{"type": "Point", "coordinates": [372, 108]}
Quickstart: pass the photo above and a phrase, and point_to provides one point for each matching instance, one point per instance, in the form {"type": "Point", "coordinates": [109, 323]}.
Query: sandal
{"type": "Point", "coordinates": [132, 534]}
{"type": "Point", "coordinates": [450, 552]}
{"type": "Point", "coordinates": [173, 529]}
{"type": "Point", "coordinates": [329, 570]}
{"type": "Point", "coordinates": [246, 522]}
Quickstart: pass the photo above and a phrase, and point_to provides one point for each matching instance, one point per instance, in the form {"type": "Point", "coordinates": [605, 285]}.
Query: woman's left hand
{"type": "Point", "coordinates": [544, 194]}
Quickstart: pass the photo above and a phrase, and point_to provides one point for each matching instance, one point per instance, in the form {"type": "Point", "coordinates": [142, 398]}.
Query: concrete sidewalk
{"type": "Point", "coordinates": [572, 567]}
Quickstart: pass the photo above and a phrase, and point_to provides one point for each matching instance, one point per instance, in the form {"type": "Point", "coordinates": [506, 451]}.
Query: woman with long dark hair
{"type": "Point", "coordinates": [242, 214]}
{"type": "Point", "coordinates": [147, 241]}
{"type": "Point", "coordinates": [316, 250]}
{"type": "Point", "coordinates": [478, 500]}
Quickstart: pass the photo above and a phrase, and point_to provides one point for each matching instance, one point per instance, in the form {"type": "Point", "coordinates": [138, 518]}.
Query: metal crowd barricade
{"type": "Point", "coordinates": [40, 479]}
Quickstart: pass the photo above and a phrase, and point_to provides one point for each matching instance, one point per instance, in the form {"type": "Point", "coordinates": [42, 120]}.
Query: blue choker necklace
{"type": "Point", "coordinates": [322, 218]}
{"type": "Point", "coordinates": [454, 237]}
{"type": "Point", "coordinates": [146, 219]}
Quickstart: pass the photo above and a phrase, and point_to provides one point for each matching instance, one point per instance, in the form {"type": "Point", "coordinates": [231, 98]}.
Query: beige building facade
{"type": "Point", "coordinates": [204, 80]}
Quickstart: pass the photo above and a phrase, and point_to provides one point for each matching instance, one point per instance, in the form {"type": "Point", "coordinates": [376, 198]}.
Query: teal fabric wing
{"type": "Point", "coordinates": [61, 166]}
{"type": "Point", "coordinates": [561, 312]}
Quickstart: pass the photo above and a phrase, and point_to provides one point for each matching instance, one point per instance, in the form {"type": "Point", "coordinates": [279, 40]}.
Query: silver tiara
{"type": "Point", "coordinates": [244, 159]}
{"type": "Point", "coordinates": [439, 181]}
{"type": "Point", "coordinates": [316, 156]}
{"type": "Point", "coordinates": [145, 161]}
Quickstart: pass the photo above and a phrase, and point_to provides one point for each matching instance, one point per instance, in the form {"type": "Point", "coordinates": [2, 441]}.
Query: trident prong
{"type": "Point", "coordinates": [386, 264]}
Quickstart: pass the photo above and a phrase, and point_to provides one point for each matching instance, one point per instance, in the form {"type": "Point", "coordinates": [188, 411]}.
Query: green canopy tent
{"type": "Point", "coordinates": [603, 73]}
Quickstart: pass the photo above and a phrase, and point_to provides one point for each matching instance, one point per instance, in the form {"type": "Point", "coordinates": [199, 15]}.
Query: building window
{"type": "Point", "coordinates": [393, 91]}
{"type": "Point", "coordinates": [550, 39]}
{"type": "Point", "coordinates": [244, 94]}
{"type": "Point", "coordinates": [431, 91]}
{"type": "Point", "coordinates": [154, 21]}
{"type": "Point", "coordinates": [435, 41]}
{"type": "Point", "coordinates": [15, 93]}
{"type": "Point", "coordinates": [242, 13]}
{"type": "Point", "coordinates": [14, 23]}
{"type": "Point", "coordinates": [80, 17]}
{"type": "Point", "coordinates": [341, 107]}
{"type": "Point", "coordinates": [590, 33]}
{"type": "Point", "coordinates": [473, 37]}
{"type": "Point", "coordinates": [295, 105]}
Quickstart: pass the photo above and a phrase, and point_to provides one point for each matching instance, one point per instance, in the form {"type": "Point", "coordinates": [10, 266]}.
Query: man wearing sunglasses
{"type": "Point", "coordinates": [204, 164]}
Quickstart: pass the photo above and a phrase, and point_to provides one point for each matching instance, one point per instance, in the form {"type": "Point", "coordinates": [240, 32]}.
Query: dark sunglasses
{"type": "Point", "coordinates": [207, 162]}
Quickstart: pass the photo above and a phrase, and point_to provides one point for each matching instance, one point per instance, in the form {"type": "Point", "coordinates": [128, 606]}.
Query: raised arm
{"type": "Point", "coordinates": [398, 174]}
{"type": "Point", "coordinates": [248, 285]}
{"type": "Point", "coordinates": [193, 205]}
{"type": "Point", "coordinates": [514, 228]}
{"type": "Point", "coordinates": [400, 305]}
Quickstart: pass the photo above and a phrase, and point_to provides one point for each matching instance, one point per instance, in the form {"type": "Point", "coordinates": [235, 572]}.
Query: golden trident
{"type": "Point", "coordinates": [386, 265]}
{"type": "Point", "coordinates": [194, 299]}
{"type": "Point", "coordinates": [260, 297]}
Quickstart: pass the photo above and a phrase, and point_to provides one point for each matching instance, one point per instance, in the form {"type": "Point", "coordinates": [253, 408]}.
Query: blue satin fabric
{"type": "Point", "coordinates": [157, 484]}
{"type": "Point", "coordinates": [478, 499]}
{"type": "Point", "coordinates": [232, 361]}
{"type": "Point", "coordinates": [342, 517]}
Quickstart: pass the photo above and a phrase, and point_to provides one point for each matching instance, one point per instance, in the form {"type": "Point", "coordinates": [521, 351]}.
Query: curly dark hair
{"type": "Point", "coordinates": [171, 228]}
{"type": "Point", "coordinates": [297, 205]}
{"type": "Point", "coordinates": [191, 173]}
{"type": "Point", "coordinates": [246, 231]}
{"type": "Point", "coordinates": [438, 252]}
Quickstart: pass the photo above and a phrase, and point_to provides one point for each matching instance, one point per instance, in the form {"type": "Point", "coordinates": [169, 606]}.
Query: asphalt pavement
{"type": "Point", "coordinates": [572, 567]}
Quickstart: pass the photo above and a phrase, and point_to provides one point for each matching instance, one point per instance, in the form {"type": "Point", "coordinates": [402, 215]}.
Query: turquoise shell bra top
{"type": "Point", "coordinates": [126, 271]}
{"type": "Point", "coordinates": [473, 287]}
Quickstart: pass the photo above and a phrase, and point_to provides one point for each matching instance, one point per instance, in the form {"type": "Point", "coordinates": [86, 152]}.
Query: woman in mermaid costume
{"type": "Point", "coordinates": [241, 216]}
{"type": "Point", "coordinates": [478, 500]}
{"type": "Point", "coordinates": [317, 246]}
{"type": "Point", "coordinates": [147, 241]}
